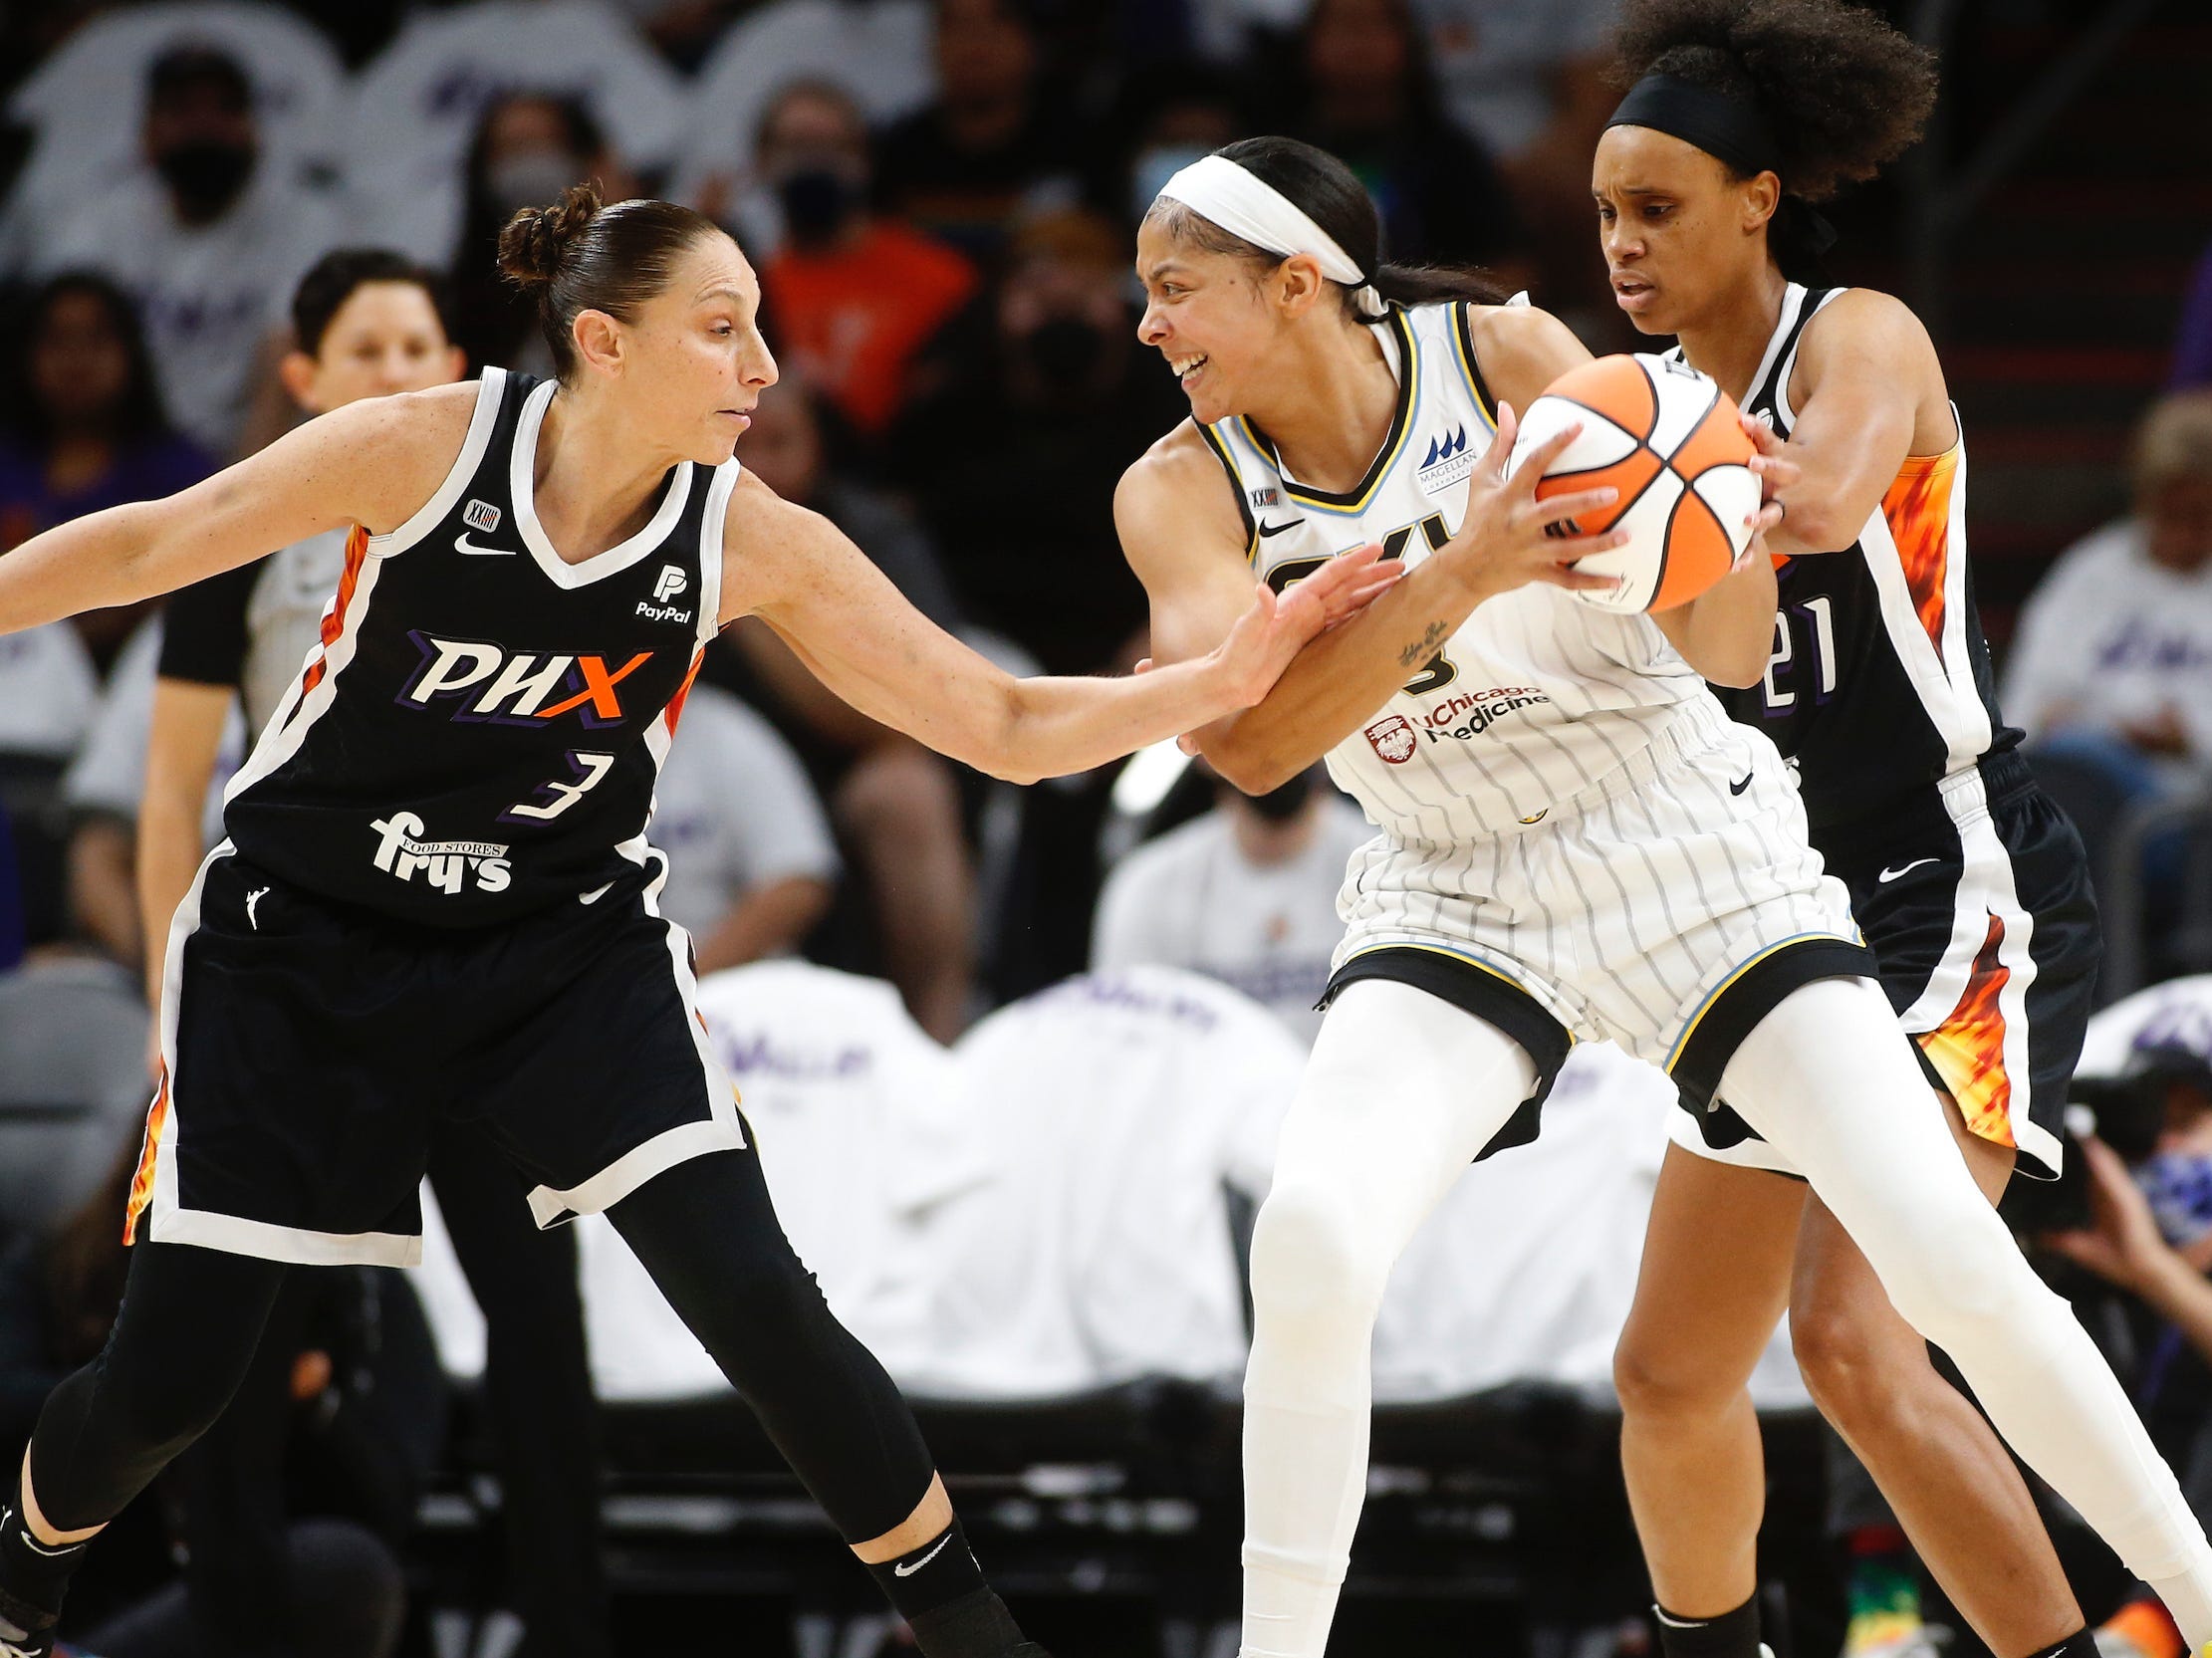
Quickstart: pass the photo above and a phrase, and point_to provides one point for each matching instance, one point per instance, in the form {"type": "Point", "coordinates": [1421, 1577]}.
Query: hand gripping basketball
{"type": "Point", "coordinates": [1673, 446]}
{"type": "Point", "coordinates": [1510, 537]}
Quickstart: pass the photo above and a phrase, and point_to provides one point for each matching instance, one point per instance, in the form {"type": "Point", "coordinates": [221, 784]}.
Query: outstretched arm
{"type": "Point", "coordinates": [371, 463]}
{"type": "Point", "coordinates": [1170, 511]}
{"type": "Point", "coordinates": [842, 617]}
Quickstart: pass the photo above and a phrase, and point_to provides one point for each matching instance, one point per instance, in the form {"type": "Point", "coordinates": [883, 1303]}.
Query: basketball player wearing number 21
{"type": "Point", "coordinates": [1575, 840]}
{"type": "Point", "coordinates": [1967, 882]}
{"type": "Point", "coordinates": [1970, 887]}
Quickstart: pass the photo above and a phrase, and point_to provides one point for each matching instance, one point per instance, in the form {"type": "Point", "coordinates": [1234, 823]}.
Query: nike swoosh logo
{"type": "Point", "coordinates": [596, 894]}
{"type": "Point", "coordinates": [461, 543]}
{"type": "Point", "coordinates": [1267, 529]}
{"type": "Point", "coordinates": [1904, 869]}
{"type": "Point", "coordinates": [904, 1570]}
{"type": "Point", "coordinates": [1741, 784]}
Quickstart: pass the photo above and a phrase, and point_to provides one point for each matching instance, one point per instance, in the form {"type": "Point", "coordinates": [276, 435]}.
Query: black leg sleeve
{"type": "Point", "coordinates": [187, 1329]}
{"type": "Point", "coordinates": [536, 1393]}
{"type": "Point", "coordinates": [707, 1233]}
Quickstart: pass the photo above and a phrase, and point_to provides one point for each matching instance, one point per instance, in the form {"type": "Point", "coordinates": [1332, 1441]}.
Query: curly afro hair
{"type": "Point", "coordinates": [1844, 91]}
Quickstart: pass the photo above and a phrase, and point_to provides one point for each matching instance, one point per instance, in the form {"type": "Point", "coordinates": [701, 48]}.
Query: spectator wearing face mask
{"type": "Point", "coordinates": [209, 247]}
{"type": "Point", "coordinates": [852, 295]}
{"type": "Point", "coordinates": [529, 147]}
{"type": "Point", "coordinates": [1245, 893]}
{"type": "Point", "coordinates": [1173, 113]}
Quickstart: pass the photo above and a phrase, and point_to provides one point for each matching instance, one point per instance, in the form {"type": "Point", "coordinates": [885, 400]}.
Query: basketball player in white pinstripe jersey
{"type": "Point", "coordinates": [1575, 841]}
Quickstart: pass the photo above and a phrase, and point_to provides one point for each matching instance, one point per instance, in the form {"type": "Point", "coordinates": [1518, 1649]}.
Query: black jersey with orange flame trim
{"type": "Point", "coordinates": [479, 732]}
{"type": "Point", "coordinates": [1879, 684]}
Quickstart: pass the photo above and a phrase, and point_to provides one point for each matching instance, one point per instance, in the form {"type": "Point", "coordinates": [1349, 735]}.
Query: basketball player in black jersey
{"type": "Point", "coordinates": [436, 894]}
{"type": "Point", "coordinates": [1970, 886]}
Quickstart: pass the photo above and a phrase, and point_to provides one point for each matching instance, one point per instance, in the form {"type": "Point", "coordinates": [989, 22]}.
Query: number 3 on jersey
{"type": "Point", "coordinates": [555, 797]}
{"type": "Point", "coordinates": [1441, 670]}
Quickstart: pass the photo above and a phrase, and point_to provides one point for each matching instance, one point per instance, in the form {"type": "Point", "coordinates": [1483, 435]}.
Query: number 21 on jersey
{"type": "Point", "coordinates": [1792, 672]}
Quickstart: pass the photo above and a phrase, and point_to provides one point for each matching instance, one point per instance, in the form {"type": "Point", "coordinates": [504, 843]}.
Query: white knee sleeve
{"type": "Point", "coordinates": [1401, 1092]}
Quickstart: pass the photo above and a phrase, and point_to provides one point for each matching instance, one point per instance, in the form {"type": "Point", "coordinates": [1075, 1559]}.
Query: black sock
{"type": "Point", "coordinates": [33, 1574]}
{"type": "Point", "coordinates": [934, 1574]}
{"type": "Point", "coordinates": [2080, 1644]}
{"type": "Point", "coordinates": [977, 1625]}
{"type": "Point", "coordinates": [1731, 1635]}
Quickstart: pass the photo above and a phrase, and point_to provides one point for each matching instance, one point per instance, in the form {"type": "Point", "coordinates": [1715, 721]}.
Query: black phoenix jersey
{"type": "Point", "coordinates": [1879, 684]}
{"type": "Point", "coordinates": [479, 734]}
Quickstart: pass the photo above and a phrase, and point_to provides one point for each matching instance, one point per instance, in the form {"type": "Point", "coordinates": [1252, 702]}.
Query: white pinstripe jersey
{"type": "Point", "coordinates": [1536, 697]}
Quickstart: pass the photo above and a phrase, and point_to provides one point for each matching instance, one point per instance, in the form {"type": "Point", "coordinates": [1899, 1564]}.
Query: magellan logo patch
{"type": "Point", "coordinates": [480, 514]}
{"type": "Point", "coordinates": [1449, 460]}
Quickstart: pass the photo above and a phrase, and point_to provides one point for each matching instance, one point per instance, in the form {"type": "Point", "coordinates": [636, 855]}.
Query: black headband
{"type": "Point", "coordinates": [1731, 130]}
{"type": "Point", "coordinates": [1727, 128]}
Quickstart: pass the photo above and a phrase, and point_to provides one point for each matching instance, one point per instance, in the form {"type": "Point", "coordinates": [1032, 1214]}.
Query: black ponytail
{"type": "Point", "coordinates": [1331, 194]}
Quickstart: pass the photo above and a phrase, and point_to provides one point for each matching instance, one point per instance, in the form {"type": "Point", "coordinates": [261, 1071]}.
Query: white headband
{"type": "Point", "coordinates": [1218, 191]}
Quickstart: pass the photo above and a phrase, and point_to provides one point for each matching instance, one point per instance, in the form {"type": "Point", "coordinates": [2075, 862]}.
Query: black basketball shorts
{"type": "Point", "coordinates": [307, 1047]}
{"type": "Point", "coordinates": [1975, 898]}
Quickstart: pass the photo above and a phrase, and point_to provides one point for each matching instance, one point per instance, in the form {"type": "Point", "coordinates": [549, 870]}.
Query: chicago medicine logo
{"type": "Point", "coordinates": [1460, 718]}
{"type": "Point", "coordinates": [517, 685]}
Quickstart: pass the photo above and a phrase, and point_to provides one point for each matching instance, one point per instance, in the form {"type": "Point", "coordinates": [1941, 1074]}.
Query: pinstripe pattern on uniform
{"type": "Point", "coordinates": [1634, 903]}
{"type": "Point", "coordinates": [1558, 809]}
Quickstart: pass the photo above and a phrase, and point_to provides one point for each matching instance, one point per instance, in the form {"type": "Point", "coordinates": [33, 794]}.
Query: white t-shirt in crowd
{"type": "Point", "coordinates": [207, 295]}
{"type": "Point", "coordinates": [82, 103]}
{"type": "Point", "coordinates": [108, 774]}
{"type": "Point", "coordinates": [1494, 60]}
{"type": "Point", "coordinates": [2111, 639]}
{"type": "Point", "coordinates": [1192, 899]}
{"type": "Point", "coordinates": [1113, 1111]}
{"type": "Point", "coordinates": [418, 103]}
{"type": "Point", "coordinates": [880, 52]}
{"type": "Point", "coordinates": [48, 689]}
{"type": "Point", "coordinates": [733, 810]}
{"type": "Point", "coordinates": [1527, 1269]}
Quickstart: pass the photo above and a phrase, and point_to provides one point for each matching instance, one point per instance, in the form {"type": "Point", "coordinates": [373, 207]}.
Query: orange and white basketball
{"type": "Point", "coordinates": [1667, 439]}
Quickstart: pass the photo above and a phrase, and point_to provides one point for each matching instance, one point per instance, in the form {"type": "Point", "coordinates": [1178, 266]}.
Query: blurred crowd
{"type": "Point", "coordinates": [224, 217]}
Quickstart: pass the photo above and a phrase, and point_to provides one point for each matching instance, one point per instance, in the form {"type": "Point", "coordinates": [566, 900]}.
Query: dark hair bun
{"type": "Point", "coordinates": [1845, 90]}
{"type": "Point", "coordinates": [536, 240]}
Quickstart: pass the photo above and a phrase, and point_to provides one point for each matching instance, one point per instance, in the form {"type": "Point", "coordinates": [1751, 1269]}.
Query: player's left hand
{"type": "Point", "coordinates": [1278, 627]}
